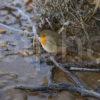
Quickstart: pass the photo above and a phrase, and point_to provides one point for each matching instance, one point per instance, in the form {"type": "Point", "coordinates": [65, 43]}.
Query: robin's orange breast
{"type": "Point", "coordinates": [43, 39]}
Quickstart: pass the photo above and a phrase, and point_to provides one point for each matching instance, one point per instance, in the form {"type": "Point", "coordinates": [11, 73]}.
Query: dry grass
{"type": "Point", "coordinates": [79, 18]}
{"type": "Point", "coordinates": [96, 3]}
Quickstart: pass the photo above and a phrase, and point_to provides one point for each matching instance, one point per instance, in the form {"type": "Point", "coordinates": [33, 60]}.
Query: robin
{"type": "Point", "coordinates": [59, 44]}
{"type": "Point", "coordinates": [53, 42]}
{"type": "Point", "coordinates": [50, 41]}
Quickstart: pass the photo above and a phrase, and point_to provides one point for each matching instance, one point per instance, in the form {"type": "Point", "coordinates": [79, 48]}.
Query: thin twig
{"type": "Point", "coordinates": [60, 87]}
{"type": "Point", "coordinates": [86, 67]}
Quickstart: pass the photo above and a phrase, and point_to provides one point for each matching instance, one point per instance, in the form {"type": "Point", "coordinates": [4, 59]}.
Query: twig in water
{"type": "Point", "coordinates": [82, 67]}
{"type": "Point", "coordinates": [60, 87]}
{"type": "Point", "coordinates": [73, 76]}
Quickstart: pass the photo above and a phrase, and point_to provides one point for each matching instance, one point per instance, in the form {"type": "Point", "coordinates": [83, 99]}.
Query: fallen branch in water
{"type": "Point", "coordinates": [84, 69]}
{"type": "Point", "coordinates": [81, 67]}
{"type": "Point", "coordinates": [74, 77]}
{"type": "Point", "coordinates": [60, 87]}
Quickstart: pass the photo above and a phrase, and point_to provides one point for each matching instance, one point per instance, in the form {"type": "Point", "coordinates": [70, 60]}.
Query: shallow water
{"type": "Point", "coordinates": [20, 72]}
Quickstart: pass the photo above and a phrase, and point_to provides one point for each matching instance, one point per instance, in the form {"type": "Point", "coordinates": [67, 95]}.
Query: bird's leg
{"type": "Point", "coordinates": [51, 81]}
{"type": "Point", "coordinates": [51, 75]}
{"type": "Point", "coordinates": [52, 68]}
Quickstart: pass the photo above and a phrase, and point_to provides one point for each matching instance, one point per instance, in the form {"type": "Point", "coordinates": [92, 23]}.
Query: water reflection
{"type": "Point", "coordinates": [22, 72]}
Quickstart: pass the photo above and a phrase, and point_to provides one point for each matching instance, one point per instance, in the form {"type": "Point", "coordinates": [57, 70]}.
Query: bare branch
{"type": "Point", "coordinates": [60, 87]}
{"type": "Point", "coordinates": [72, 75]}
